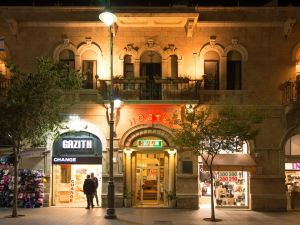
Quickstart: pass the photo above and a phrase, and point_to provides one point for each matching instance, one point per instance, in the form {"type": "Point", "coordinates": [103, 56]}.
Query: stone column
{"type": "Point", "coordinates": [222, 73]}
{"type": "Point", "coordinates": [136, 68]}
{"type": "Point", "coordinates": [171, 169]}
{"type": "Point", "coordinates": [128, 168]}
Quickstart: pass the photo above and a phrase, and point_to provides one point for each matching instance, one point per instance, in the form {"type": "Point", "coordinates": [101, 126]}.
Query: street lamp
{"type": "Point", "coordinates": [109, 19]}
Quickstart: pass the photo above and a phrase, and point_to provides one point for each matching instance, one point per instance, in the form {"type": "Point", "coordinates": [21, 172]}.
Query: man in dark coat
{"type": "Point", "coordinates": [89, 190]}
{"type": "Point", "coordinates": [95, 179]}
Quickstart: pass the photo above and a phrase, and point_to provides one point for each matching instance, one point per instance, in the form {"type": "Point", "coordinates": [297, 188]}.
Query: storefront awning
{"type": "Point", "coordinates": [233, 162]}
{"type": "Point", "coordinates": [33, 152]}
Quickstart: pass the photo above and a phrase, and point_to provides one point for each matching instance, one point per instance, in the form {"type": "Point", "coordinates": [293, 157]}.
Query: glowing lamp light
{"type": "Point", "coordinates": [117, 103]}
{"type": "Point", "coordinates": [298, 68]}
{"type": "Point", "coordinates": [108, 18]}
{"type": "Point", "coordinates": [75, 123]}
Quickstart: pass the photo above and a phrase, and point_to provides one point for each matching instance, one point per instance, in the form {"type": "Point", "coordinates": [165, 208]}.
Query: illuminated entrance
{"type": "Point", "coordinates": [75, 155]}
{"type": "Point", "coordinates": [149, 171]}
{"type": "Point", "coordinates": [150, 178]}
{"type": "Point", "coordinates": [68, 184]}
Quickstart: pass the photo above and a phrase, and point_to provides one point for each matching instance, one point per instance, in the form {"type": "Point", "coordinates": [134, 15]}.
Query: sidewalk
{"type": "Point", "coordinates": [133, 216]}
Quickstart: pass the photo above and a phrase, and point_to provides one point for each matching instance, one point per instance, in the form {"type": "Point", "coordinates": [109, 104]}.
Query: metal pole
{"type": "Point", "coordinates": [110, 211]}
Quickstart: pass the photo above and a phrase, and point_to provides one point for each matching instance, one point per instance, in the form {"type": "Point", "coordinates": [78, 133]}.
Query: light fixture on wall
{"type": "Point", "coordinates": [75, 123]}
{"type": "Point", "coordinates": [298, 70]}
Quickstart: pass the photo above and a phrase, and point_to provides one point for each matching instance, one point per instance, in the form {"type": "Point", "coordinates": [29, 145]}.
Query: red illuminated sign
{"type": "Point", "coordinates": [151, 117]}
{"type": "Point", "coordinates": [72, 189]}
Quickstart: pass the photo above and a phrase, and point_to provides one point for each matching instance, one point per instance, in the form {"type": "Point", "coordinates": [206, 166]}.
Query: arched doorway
{"type": "Point", "coordinates": [75, 155]}
{"type": "Point", "coordinates": [150, 162]}
{"type": "Point", "coordinates": [151, 69]}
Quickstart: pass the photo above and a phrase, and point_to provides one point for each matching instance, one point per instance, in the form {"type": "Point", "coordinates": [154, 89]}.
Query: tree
{"type": "Point", "coordinates": [209, 131]}
{"type": "Point", "coordinates": [33, 107]}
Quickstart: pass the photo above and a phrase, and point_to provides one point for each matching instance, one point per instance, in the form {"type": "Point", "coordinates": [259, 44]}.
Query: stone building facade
{"type": "Point", "coordinates": [241, 55]}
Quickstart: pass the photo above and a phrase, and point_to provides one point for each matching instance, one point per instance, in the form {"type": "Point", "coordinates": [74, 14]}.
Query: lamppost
{"type": "Point", "coordinates": [109, 19]}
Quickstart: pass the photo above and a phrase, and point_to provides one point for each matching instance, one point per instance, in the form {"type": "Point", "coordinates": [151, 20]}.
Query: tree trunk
{"type": "Point", "coordinates": [16, 168]}
{"type": "Point", "coordinates": [213, 218]}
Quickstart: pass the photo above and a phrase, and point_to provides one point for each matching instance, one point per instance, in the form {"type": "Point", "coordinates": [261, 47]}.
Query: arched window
{"type": "Point", "coordinates": [234, 71]}
{"type": "Point", "coordinates": [151, 69]}
{"type": "Point", "coordinates": [292, 146]}
{"type": "Point", "coordinates": [174, 66]}
{"type": "Point", "coordinates": [211, 70]}
{"type": "Point", "coordinates": [68, 57]}
{"type": "Point", "coordinates": [89, 68]}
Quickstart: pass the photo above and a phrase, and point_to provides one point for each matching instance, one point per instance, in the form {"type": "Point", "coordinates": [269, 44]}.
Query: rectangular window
{"type": "Point", "coordinates": [65, 173]}
{"type": "Point", "coordinates": [187, 167]}
{"type": "Point", "coordinates": [234, 75]}
{"type": "Point", "coordinates": [89, 69]}
{"type": "Point", "coordinates": [211, 78]}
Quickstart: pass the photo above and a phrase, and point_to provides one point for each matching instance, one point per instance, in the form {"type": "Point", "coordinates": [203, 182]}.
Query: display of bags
{"type": "Point", "coordinates": [31, 188]}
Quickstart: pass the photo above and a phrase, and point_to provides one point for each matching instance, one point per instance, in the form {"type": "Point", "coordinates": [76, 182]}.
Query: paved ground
{"type": "Point", "coordinates": [128, 216]}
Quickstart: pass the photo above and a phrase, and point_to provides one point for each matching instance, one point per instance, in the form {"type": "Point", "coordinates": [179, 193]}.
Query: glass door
{"type": "Point", "coordinates": [150, 185]}
{"type": "Point", "coordinates": [150, 178]}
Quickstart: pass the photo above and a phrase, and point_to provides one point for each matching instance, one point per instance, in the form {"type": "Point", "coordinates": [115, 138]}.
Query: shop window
{"type": "Point", "coordinates": [187, 167]}
{"type": "Point", "coordinates": [65, 174]}
{"type": "Point", "coordinates": [67, 56]}
{"type": "Point", "coordinates": [244, 150]}
{"type": "Point", "coordinates": [292, 146]}
{"type": "Point", "coordinates": [234, 71]}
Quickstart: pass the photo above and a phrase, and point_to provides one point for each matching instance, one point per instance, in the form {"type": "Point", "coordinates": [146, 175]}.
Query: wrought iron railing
{"type": "Point", "coordinates": [290, 92]}
{"type": "Point", "coordinates": [158, 89]}
{"type": "Point", "coordinates": [167, 89]}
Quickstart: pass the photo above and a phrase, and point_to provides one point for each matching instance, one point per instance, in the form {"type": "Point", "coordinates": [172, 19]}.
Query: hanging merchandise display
{"type": "Point", "coordinates": [31, 187]}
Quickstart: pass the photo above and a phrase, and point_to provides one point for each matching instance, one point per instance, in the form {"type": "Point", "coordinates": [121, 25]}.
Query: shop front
{"type": "Point", "coordinates": [75, 155]}
{"type": "Point", "coordinates": [231, 181]}
{"type": "Point", "coordinates": [292, 181]}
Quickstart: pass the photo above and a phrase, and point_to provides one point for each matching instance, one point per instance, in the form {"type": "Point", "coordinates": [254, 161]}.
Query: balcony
{"type": "Point", "coordinates": [141, 89]}
{"type": "Point", "coordinates": [168, 90]}
{"type": "Point", "coordinates": [290, 92]}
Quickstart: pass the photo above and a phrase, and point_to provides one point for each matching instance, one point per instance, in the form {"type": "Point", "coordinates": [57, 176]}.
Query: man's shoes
{"type": "Point", "coordinates": [87, 207]}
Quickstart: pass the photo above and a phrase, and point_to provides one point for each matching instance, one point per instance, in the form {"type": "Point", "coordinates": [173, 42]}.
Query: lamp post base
{"type": "Point", "coordinates": [110, 214]}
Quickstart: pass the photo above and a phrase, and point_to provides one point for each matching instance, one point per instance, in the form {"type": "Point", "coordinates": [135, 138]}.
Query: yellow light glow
{"type": "Point", "coordinates": [108, 18]}
{"type": "Point", "coordinates": [298, 68]}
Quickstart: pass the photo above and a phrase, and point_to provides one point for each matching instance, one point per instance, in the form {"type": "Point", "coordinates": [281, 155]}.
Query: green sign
{"type": "Point", "coordinates": [149, 143]}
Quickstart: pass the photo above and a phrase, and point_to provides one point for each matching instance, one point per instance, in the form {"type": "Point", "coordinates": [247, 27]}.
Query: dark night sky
{"type": "Point", "coordinates": [147, 2]}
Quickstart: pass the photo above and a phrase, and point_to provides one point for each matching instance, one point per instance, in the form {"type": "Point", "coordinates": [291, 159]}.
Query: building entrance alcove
{"type": "Point", "coordinates": [150, 178]}
{"type": "Point", "coordinates": [149, 171]}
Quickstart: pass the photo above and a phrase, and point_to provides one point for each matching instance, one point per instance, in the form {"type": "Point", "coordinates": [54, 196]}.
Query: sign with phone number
{"type": "Point", "coordinates": [228, 176]}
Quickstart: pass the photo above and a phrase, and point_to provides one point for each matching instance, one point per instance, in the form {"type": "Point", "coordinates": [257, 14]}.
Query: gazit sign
{"type": "Point", "coordinates": [77, 144]}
